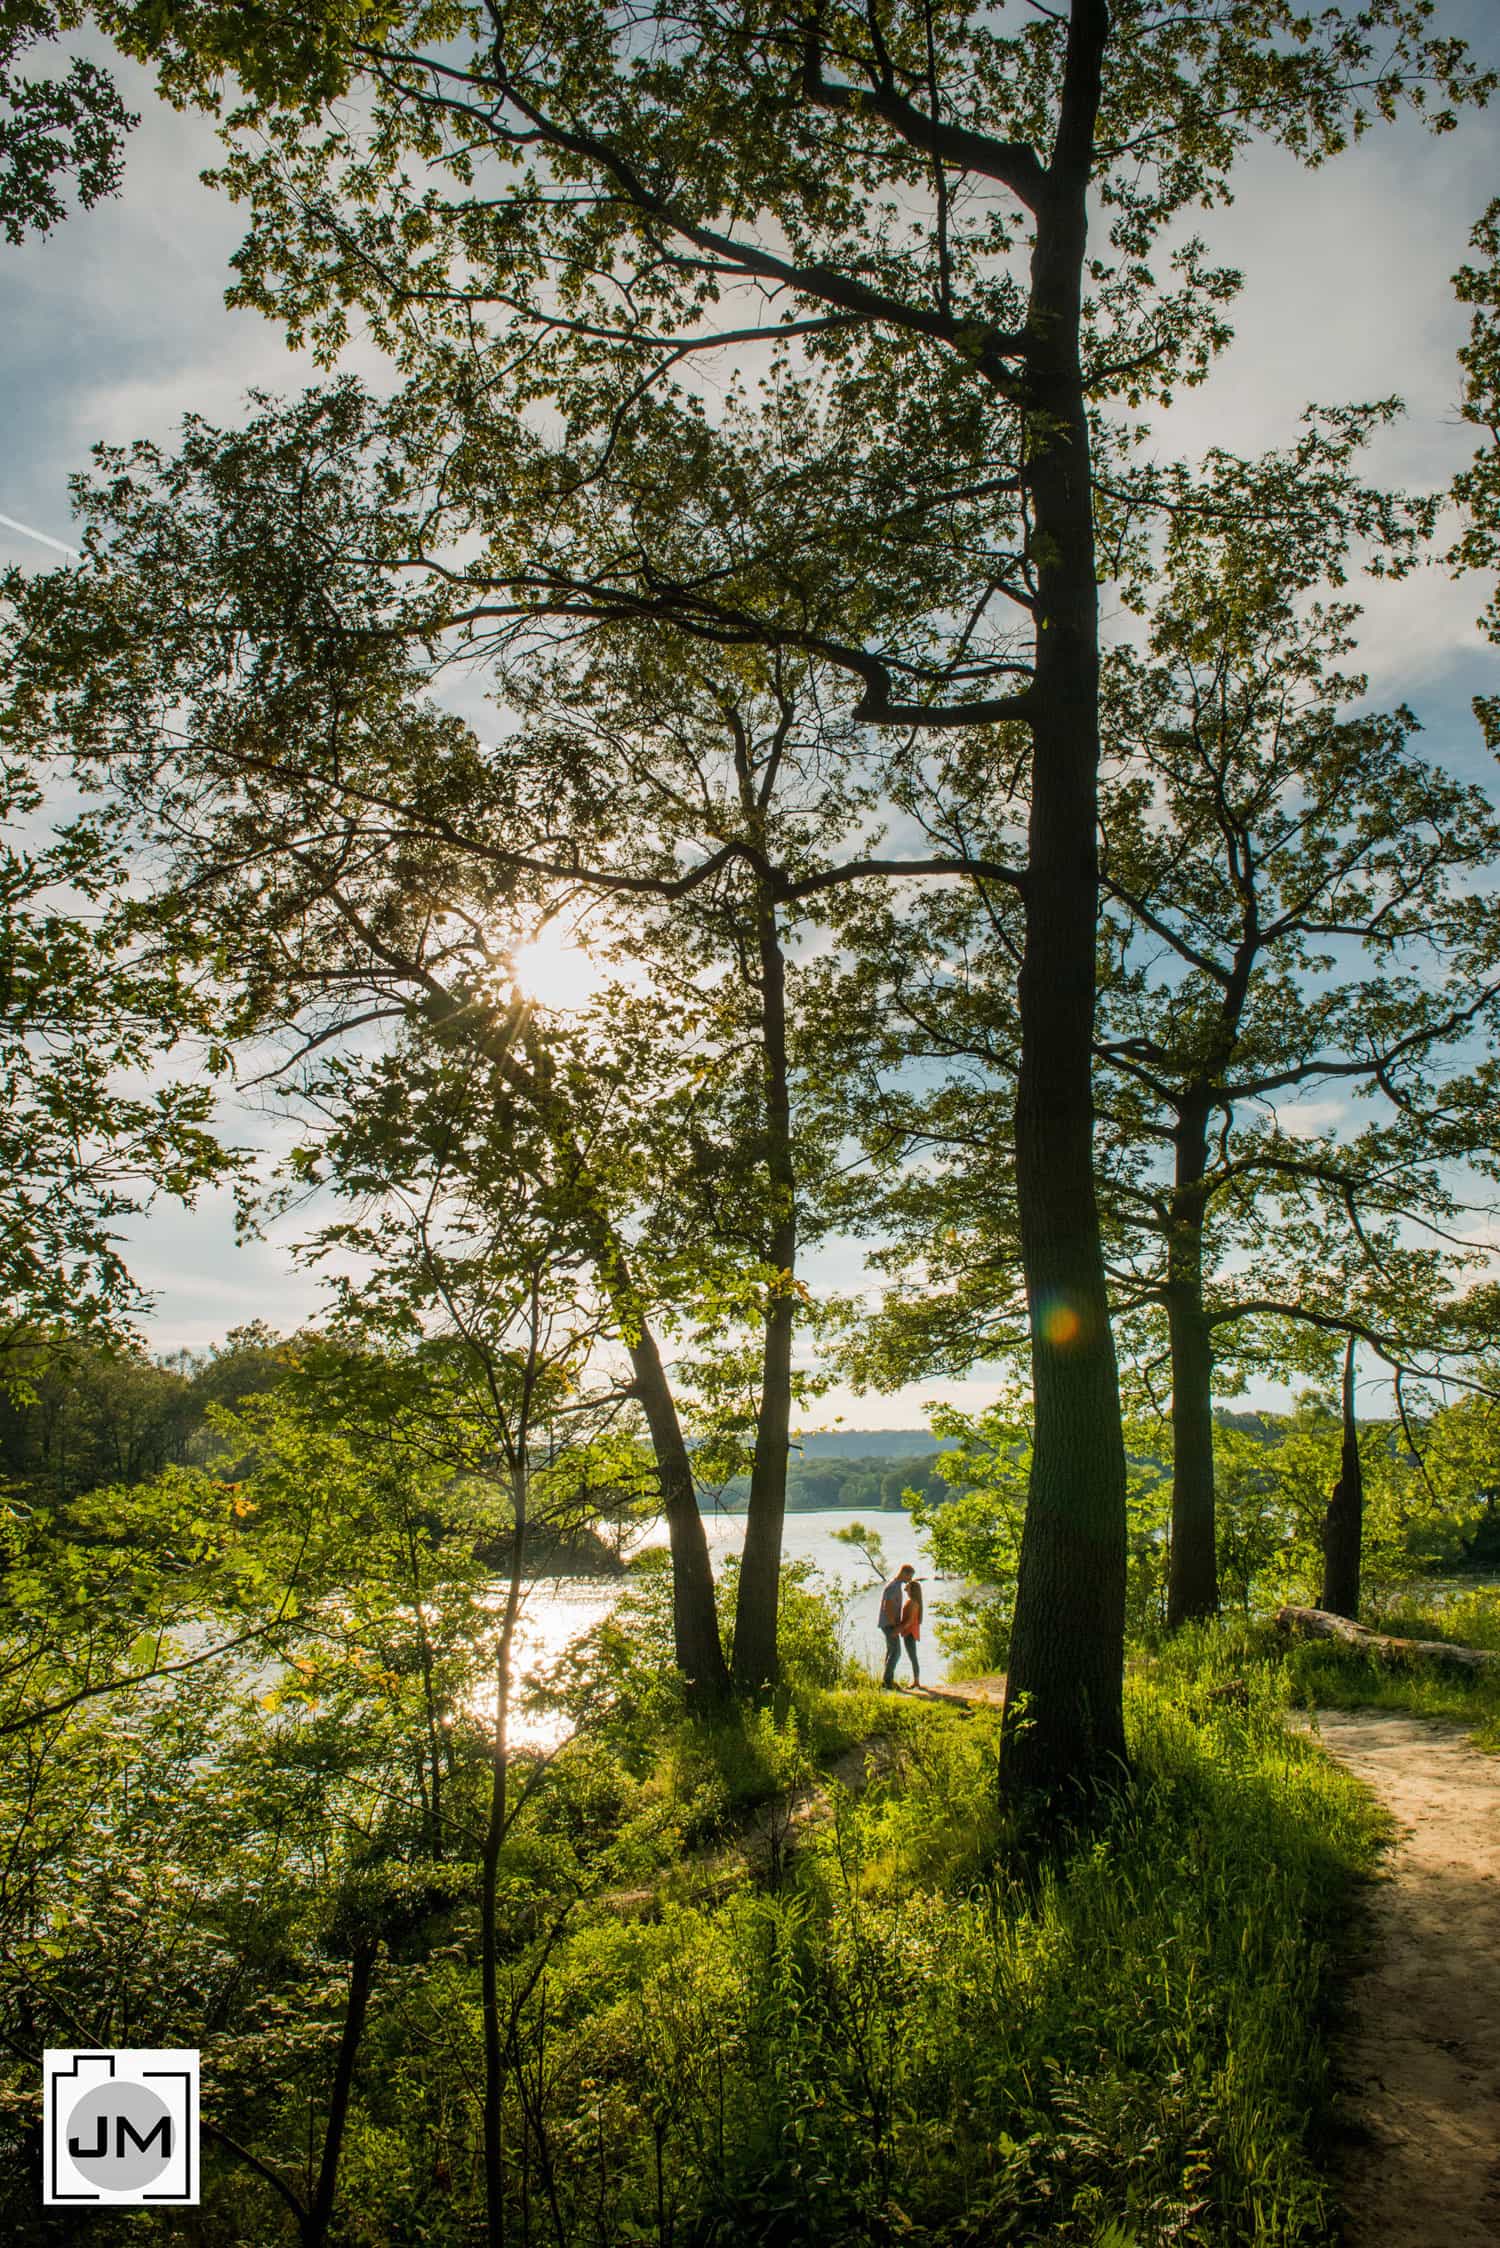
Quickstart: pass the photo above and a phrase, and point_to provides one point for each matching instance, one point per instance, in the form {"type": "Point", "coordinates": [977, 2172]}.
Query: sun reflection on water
{"type": "Point", "coordinates": [558, 1611]}
{"type": "Point", "coordinates": [556, 1615]}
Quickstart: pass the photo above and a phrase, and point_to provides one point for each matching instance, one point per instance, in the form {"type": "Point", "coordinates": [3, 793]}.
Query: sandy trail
{"type": "Point", "coordinates": [977, 1693]}
{"type": "Point", "coordinates": [1421, 2057]}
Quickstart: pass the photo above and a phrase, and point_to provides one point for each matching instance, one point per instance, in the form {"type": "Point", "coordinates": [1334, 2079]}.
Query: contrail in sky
{"type": "Point", "coordinates": [27, 532]}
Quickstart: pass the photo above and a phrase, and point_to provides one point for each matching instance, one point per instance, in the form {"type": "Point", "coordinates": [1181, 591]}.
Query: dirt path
{"type": "Point", "coordinates": [1422, 2056]}
{"type": "Point", "coordinates": [976, 1693]}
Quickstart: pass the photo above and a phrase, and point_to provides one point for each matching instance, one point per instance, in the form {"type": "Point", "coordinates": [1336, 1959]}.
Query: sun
{"type": "Point", "coordinates": [556, 971]}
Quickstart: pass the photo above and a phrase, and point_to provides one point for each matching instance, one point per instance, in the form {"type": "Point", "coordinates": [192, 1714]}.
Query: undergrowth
{"type": "Point", "coordinates": [909, 2031]}
{"type": "Point", "coordinates": [1327, 1674]}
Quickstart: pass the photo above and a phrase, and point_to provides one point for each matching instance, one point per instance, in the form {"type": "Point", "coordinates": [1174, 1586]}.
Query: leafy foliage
{"type": "Point", "coordinates": [92, 1006]}
{"type": "Point", "coordinates": [1477, 488]}
{"type": "Point", "coordinates": [1430, 1513]}
{"type": "Point", "coordinates": [77, 1416]}
{"type": "Point", "coordinates": [53, 131]}
{"type": "Point", "coordinates": [544, 218]}
{"type": "Point", "coordinates": [1298, 985]}
{"type": "Point", "coordinates": [761, 2041]}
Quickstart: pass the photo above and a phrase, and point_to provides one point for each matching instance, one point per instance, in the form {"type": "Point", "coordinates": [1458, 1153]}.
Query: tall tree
{"type": "Point", "coordinates": [1477, 488]}
{"type": "Point", "coordinates": [358, 888]}
{"type": "Point", "coordinates": [902, 197]}
{"type": "Point", "coordinates": [734, 772]}
{"type": "Point", "coordinates": [376, 861]}
{"type": "Point", "coordinates": [1298, 914]}
{"type": "Point", "coordinates": [1304, 922]}
{"type": "Point", "coordinates": [485, 1253]}
{"type": "Point", "coordinates": [1343, 1525]}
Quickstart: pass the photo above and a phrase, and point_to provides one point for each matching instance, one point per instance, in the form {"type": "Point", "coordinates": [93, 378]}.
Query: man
{"type": "Point", "coordinates": [892, 1601]}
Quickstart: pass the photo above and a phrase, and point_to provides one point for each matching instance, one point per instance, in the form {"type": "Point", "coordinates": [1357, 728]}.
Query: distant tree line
{"type": "Point", "coordinates": [871, 1480]}
{"type": "Point", "coordinates": [79, 1417]}
{"type": "Point", "coordinates": [76, 1416]}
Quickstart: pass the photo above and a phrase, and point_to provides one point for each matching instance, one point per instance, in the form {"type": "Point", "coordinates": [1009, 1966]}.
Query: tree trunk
{"type": "Point", "coordinates": [489, 1877]}
{"type": "Point", "coordinates": [489, 1986]}
{"type": "Point", "coordinates": [1064, 1725]}
{"type": "Point", "coordinates": [432, 1784]}
{"type": "Point", "coordinates": [315, 2224]}
{"type": "Point", "coordinates": [760, 1564]}
{"type": "Point", "coordinates": [1193, 1578]}
{"type": "Point", "coordinates": [695, 1621]}
{"type": "Point", "coordinates": [1344, 1523]}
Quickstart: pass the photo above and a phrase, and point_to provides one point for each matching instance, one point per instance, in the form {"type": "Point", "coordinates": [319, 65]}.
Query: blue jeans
{"type": "Point", "coordinates": [892, 1653]}
{"type": "Point", "coordinates": [911, 1648]}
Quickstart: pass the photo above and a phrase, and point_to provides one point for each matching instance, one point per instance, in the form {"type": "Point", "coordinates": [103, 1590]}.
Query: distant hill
{"type": "Point", "coordinates": [870, 1470]}
{"type": "Point", "coordinates": [867, 1443]}
{"type": "Point", "coordinates": [856, 1468]}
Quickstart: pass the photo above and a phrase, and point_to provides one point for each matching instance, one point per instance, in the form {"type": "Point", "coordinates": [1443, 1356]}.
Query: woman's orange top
{"type": "Point", "coordinates": [910, 1626]}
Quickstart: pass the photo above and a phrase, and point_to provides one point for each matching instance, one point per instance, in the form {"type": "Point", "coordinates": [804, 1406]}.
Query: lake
{"type": "Point", "coordinates": [559, 1610]}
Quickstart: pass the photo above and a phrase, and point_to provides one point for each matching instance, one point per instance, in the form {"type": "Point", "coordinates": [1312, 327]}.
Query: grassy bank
{"type": "Point", "coordinates": [900, 2032]}
{"type": "Point", "coordinates": [1326, 1674]}
{"type": "Point", "coordinates": [780, 1980]}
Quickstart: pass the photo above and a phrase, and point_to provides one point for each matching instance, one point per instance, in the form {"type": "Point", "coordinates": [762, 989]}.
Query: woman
{"type": "Point", "coordinates": [910, 1626]}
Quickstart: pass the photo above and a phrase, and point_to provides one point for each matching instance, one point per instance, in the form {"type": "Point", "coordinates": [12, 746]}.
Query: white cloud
{"type": "Point", "coordinates": [1306, 1120]}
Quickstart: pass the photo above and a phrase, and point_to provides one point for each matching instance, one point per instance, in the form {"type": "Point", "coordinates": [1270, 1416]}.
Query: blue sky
{"type": "Point", "coordinates": [115, 326]}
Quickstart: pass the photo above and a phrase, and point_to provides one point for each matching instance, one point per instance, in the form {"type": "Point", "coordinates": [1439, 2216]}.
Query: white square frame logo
{"type": "Point", "coordinates": [119, 2128]}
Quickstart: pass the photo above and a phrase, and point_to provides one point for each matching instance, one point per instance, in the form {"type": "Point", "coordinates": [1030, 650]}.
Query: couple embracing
{"type": "Point", "coordinates": [901, 1622]}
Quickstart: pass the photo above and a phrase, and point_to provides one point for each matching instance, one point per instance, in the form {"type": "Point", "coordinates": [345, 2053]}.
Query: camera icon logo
{"type": "Point", "coordinates": [120, 2128]}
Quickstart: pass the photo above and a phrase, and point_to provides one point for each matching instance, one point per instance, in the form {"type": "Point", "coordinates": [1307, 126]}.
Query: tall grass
{"type": "Point", "coordinates": [911, 2032]}
{"type": "Point", "coordinates": [1463, 1615]}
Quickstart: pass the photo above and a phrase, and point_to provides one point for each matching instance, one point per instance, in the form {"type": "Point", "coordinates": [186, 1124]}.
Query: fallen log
{"type": "Point", "coordinates": [1320, 1623]}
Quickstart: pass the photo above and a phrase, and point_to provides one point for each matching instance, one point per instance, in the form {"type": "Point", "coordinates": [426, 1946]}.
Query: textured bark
{"type": "Point", "coordinates": [432, 1784]}
{"type": "Point", "coordinates": [491, 2038]}
{"type": "Point", "coordinates": [1193, 1577]}
{"type": "Point", "coordinates": [695, 1624]}
{"type": "Point", "coordinates": [489, 1992]}
{"type": "Point", "coordinates": [760, 1564]}
{"type": "Point", "coordinates": [1344, 1523]}
{"type": "Point", "coordinates": [1067, 1648]}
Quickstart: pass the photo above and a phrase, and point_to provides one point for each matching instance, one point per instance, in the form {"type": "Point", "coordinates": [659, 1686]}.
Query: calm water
{"type": "Point", "coordinates": [560, 1610]}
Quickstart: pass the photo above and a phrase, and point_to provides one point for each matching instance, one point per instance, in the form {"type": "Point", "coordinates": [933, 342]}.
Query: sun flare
{"type": "Point", "coordinates": [554, 970]}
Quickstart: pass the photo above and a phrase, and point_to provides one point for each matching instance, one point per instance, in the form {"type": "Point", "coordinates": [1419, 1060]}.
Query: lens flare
{"type": "Point", "coordinates": [1058, 1324]}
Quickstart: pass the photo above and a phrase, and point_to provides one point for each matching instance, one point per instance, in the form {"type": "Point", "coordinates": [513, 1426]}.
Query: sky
{"type": "Point", "coordinates": [115, 326]}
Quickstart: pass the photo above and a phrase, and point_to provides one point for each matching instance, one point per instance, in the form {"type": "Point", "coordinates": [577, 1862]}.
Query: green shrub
{"type": "Point", "coordinates": [1464, 1616]}
{"type": "Point", "coordinates": [915, 2031]}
